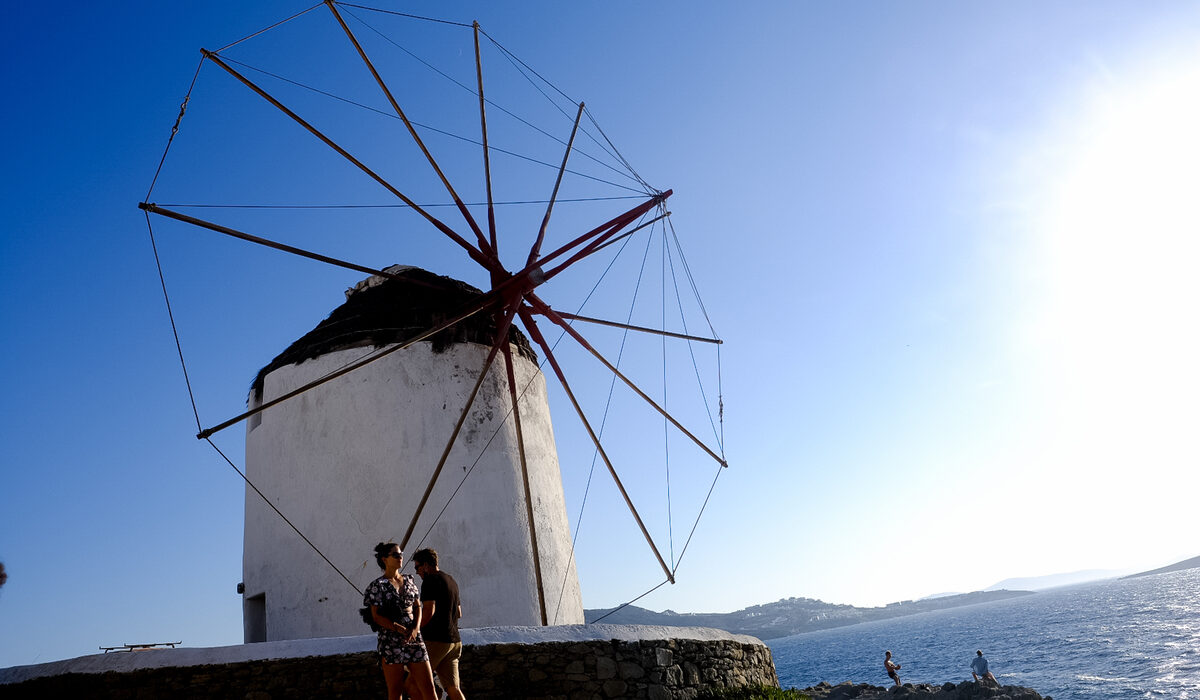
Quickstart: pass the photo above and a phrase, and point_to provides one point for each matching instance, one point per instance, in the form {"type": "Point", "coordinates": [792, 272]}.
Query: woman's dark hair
{"type": "Point", "coordinates": [382, 550]}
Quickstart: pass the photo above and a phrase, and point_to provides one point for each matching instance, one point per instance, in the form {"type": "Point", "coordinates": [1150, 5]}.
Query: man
{"type": "Point", "coordinates": [440, 610]}
{"type": "Point", "coordinates": [891, 667]}
{"type": "Point", "coordinates": [979, 668]}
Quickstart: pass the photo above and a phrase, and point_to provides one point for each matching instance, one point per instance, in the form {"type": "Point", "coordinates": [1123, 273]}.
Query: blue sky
{"type": "Point", "coordinates": [950, 249]}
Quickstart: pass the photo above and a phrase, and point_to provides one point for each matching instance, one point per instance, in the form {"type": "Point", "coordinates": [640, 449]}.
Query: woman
{"type": "Point", "coordinates": [395, 607]}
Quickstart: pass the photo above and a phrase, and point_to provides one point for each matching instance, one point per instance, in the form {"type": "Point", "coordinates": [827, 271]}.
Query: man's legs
{"type": "Point", "coordinates": [447, 668]}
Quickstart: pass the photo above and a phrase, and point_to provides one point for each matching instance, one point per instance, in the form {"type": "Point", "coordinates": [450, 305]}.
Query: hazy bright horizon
{"type": "Point", "coordinates": [951, 250]}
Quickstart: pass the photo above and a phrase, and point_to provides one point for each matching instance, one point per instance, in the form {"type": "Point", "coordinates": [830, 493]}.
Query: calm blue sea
{"type": "Point", "coordinates": [1135, 638]}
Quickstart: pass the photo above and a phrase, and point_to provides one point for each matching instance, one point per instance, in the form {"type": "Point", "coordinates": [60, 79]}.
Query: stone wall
{"type": "Point", "coordinates": [647, 668]}
{"type": "Point", "coordinates": [571, 662]}
{"type": "Point", "coordinates": [342, 676]}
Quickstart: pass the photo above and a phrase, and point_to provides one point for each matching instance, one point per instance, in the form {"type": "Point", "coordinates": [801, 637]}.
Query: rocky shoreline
{"type": "Point", "coordinates": [967, 690]}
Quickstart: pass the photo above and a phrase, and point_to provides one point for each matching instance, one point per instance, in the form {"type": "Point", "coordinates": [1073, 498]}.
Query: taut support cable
{"type": "Point", "coordinates": [510, 113]}
{"type": "Point", "coordinates": [607, 403]}
{"type": "Point", "coordinates": [267, 29]}
{"type": "Point", "coordinates": [512, 202]}
{"type": "Point", "coordinates": [536, 334]}
{"type": "Point", "coordinates": [175, 128]}
{"type": "Point", "coordinates": [537, 245]}
{"type": "Point", "coordinates": [174, 330]}
{"type": "Point", "coordinates": [487, 262]}
{"type": "Point", "coordinates": [285, 518]}
{"type": "Point", "coordinates": [691, 350]}
{"type": "Point", "coordinates": [542, 308]}
{"type": "Point", "coordinates": [643, 329]}
{"type": "Point", "coordinates": [484, 246]}
{"type": "Point", "coordinates": [480, 304]}
{"type": "Point", "coordinates": [404, 14]}
{"type": "Point", "coordinates": [533, 542]}
{"type": "Point", "coordinates": [501, 337]}
{"type": "Point", "coordinates": [631, 231]}
{"type": "Point", "coordinates": [696, 523]}
{"type": "Point", "coordinates": [427, 127]}
{"type": "Point", "coordinates": [151, 208]}
{"type": "Point", "coordinates": [622, 606]}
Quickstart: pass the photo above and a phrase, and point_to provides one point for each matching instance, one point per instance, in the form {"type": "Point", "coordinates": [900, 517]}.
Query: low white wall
{"type": "Point", "coordinates": [122, 662]}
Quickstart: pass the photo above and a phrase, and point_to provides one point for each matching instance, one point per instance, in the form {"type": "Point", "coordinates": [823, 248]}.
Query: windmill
{"type": "Point", "coordinates": [517, 260]}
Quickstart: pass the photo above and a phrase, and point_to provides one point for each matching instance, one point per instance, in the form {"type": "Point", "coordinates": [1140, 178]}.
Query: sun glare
{"type": "Point", "coordinates": [1120, 318]}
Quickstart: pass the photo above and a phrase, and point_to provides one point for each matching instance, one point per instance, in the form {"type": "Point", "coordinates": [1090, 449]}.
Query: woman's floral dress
{"type": "Point", "coordinates": [392, 647]}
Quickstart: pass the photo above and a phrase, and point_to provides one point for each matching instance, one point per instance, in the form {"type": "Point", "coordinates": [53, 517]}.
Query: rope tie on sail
{"type": "Point", "coordinates": [174, 130]}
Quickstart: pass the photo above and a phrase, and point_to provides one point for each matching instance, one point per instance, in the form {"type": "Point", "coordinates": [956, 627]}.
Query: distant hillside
{"type": "Point", "coordinates": [1038, 583]}
{"type": "Point", "coordinates": [1192, 563]}
{"type": "Point", "coordinates": [792, 615]}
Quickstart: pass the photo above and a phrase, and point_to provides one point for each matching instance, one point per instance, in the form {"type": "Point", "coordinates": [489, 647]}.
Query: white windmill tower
{"type": "Point", "coordinates": [350, 462]}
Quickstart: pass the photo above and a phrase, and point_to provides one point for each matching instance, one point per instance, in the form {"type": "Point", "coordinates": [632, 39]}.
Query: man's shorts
{"type": "Point", "coordinates": [443, 657]}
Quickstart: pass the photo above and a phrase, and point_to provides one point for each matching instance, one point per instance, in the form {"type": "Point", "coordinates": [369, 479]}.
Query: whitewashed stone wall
{"type": "Point", "coordinates": [588, 662]}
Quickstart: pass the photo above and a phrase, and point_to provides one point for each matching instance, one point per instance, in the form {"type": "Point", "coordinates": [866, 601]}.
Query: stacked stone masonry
{"type": "Point", "coordinates": [575, 670]}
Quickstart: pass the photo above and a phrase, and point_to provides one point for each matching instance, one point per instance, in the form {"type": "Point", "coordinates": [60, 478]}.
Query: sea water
{"type": "Point", "coordinates": [1123, 638]}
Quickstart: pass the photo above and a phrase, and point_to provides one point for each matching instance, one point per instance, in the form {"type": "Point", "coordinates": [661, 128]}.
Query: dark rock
{"type": "Point", "coordinates": [967, 690]}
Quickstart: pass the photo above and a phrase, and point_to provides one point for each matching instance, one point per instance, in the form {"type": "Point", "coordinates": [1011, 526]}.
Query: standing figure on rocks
{"type": "Point", "coordinates": [891, 667]}
{"type": "Point", "coordinates": [979, 668]}
{"type": "Point", "coordinates": [393, 601]}
{"type": "Point", "coordinates": [440, 610]}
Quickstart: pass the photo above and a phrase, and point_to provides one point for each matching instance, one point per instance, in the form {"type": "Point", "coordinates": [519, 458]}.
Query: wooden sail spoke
{"type": "Point", "coordinates": [630, 232]}
{"type": "Point", "coordinates": [597, 236]}
{"type": "Point", "coordinates": [537, 244]}
{"type": "Point", "coordinates": [542, 308]}
{"type": "Point", "coordinates": [501, 339]}
{"type": "Point", "coordinates": [487, 159]}
{"type": "Point", "coordinates": [481, 303]}
{"type": "Point", "coordinates": [643, 329]}
{"type": "Point", "coordinates": [155, 209]}
{"type": "Point", "coordinates": [487, 262]}
{"type": "Point", "coordinates": [484, 246]}
{"type": "Point", "coordinates": [533, 542]}
{"type": "Point", "coordinates": [536, 335]}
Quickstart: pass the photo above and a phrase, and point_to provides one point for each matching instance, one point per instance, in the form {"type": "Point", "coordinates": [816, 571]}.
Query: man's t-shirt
{"type": "Point", "coordinates": [442, 589]}
{"type": "Point", "coordinates": [979, 665]}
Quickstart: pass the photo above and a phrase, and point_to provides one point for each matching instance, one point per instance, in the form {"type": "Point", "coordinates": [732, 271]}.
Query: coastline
{"type": "Point", "coordinates": [791, 616]}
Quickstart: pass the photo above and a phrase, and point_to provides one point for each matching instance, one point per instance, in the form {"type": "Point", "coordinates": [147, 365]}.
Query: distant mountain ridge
{"type": "Point", "coordinates": [1038, 583]}
{"type": "Point", "coordinates": [1192, 563]}
{"type": "Point", "coordinates": [791, 615]}
{"type": "Point", "coordinates": [796, 615]}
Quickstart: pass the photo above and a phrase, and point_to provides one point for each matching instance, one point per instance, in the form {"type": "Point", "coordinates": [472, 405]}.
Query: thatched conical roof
{"type": "Point", "coordinates": [380, 311]}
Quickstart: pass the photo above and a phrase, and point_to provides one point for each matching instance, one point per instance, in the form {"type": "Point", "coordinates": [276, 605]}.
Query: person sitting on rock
{"type": "Point", "coordinates": [891, 667]}
{"type": "Point", "coordinates": [979, 669]}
